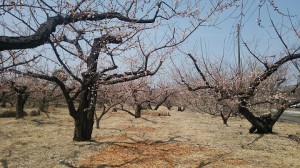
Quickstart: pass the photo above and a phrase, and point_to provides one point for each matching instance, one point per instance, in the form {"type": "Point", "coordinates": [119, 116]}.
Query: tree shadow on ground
{"type": "Point", "coordinates": [256, 139]}
{"type": "Point", "coordinates": [92, 143]}
{"type": "Point", "coordinates": [154, 122]}
{"type": "Point", "coordinates": [143, 152]}
{"type": "Point", "coordinates": [40, 122]}
{"type": "Point", "coordinates": [212, 160]}
{"type": "Point", "coordinates": [4, 163]}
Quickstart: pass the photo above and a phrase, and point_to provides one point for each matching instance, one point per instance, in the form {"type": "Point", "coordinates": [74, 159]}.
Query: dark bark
{"type": "Point", "coordinates": [2, 99]}
{"type": "Point", "coordinates": [226, 111]}
{"type": "Point", "coordinates": [127, 111]}
{"type": "Point", "coordinates": [138, 110]}
{"type": "Point", "coordinates": [262, 126]}
{"type": "Point", "coordinates": [169, 106]}
{"type": "Point", "coordinates": [2, 96]}
{"type": "Point", "coordinates": [84, 119]}
{"type": "Point", "coordinates": [277, 115]}
{"type": "Point", "coordinates": [6, 97]}
{"type": "Point", "coordinates": [267, 122]}
{"type": "Point", "coordinates": [181, 108]}
{"type": "Point", "coordinates": [225, 118]}
{"type": "Point", "coordinates": [148, 106]}
{"type": "Point", "coordinates": [98, 119]}
{"type": "Point", "coordinates": [294, 137]}
{"type": "Point", "coordinates": [22, 97]}
{"type": "Point", "coordinates": [42, 34]}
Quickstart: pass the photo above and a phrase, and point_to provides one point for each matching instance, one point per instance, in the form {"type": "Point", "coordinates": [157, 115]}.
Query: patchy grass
{"type": "Point", "coordinates": [183, 139]}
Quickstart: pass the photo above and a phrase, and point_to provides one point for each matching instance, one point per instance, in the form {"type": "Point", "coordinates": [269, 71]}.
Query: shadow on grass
{"type": "Point", "coordinates": [154, 122]}
{"type": "Point", "coordinates": [256, 139]}
{"type": "Point", "coordinates": [212, 160]}
{"type": "Point", "coordinates": [8, 114]}
{"type": "Point", "coordinates": [4, 163]}
{"type": "Point", "coordinates": [140, 152]}
{"type": "Point", "coordinates": [97, 142]}
{"type": "Point", "coordinates": [40, 122]}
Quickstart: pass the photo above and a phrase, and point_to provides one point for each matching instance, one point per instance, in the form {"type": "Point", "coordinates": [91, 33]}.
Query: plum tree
{"type": "Point", "coordinates": [96, 43]}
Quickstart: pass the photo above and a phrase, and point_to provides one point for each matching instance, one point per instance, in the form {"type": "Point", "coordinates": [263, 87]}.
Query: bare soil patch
{"type": "Point", "coordinates": [183, 139]}
{"type": "Point", "coordinates": [150, 153]}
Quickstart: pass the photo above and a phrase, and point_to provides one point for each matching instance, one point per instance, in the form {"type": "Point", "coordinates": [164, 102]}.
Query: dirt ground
{"type": "Point", "coordinates": [183, 139]}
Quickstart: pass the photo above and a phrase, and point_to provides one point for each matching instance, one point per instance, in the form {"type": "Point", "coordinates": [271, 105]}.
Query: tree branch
{"type": "Point", "coordinates": [42, 34]}
{"type": "Point", "coordinates": [20, 63]}
{"type": "Point", "coordinates": [63, 87]}
{"type": "Point", "coordinates": [268, 72]}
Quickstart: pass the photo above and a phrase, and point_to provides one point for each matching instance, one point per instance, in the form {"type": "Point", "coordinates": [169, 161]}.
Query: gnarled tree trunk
{"type": "Point", "coordinates": [84, 120]}
{"type": "Point", "coordinates": [264, 123]}
{"type": "Point", "coordinates": [262, 126]}
{"type": "Point", "coordinates": [21, 100]}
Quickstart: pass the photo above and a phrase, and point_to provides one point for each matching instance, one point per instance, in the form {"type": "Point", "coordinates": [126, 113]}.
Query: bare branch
{"type": "Point", "coordinates": [42, 34]}
{"type": "Point", "coordinates": [273, 68]}
{"type": "Point", "coordinates": [20, 63]}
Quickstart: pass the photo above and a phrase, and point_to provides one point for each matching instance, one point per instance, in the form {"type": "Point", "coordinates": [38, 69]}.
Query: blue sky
{"type": "Point", "coordinates": [222, 38]}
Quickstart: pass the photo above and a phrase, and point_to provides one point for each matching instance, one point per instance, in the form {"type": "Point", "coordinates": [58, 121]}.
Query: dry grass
{"type": "Point", "coordinates": [183, 139]}
{"type": "Point", "coordinates": [159, 112]}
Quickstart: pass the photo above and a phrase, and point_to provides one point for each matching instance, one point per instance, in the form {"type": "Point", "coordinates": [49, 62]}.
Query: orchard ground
{"type": "Point", "coordinates": [183, 139]}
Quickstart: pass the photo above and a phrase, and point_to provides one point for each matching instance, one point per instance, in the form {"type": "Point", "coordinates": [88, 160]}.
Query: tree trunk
{"type": "Point", "coordinates": [22, 97]}
{"type": "Point", "coordinates": [224, 118]}
{"type": "Point", "coordinates": [83, 126]}
{"type": "Point", "coordinates": [3, 104]}
{"type": "Point", "coordinates": [148, 106]}
{"type": "Point", "coordinates": [181, 108]}
{"type": "Point", "coordinates": [98, 119]}
{"type": "Point", "coordinates": [169, 107]}
{"type": "Point", "coordinates": [164, 101]}
{"type": "Point", "coordinates": [261, 125]}
{"type": "Point", "coordinates": [84, 120]}
{"type": "Point", "coordinates": [138, 110]}
{"type": "Point", "coordinates": [43, 105]}
{"type": "Point", "coordinates": [3, 100]}
{"type": "Point", "coordinates": [225, 113]}
{"type": "Point", "coordinates": [98, 123]}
